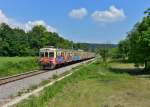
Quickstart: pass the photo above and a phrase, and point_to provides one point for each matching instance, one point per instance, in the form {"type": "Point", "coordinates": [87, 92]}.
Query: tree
{"type": "Point", "coordinates": [147, 12]}
{"type": "Point", "coordinates": [123, 49]}
{"type": "Point", "coordinates": [139, 42]}
{"type": "Point", "coordinates": [5, 38]}
{"type": "Point", "coordinates": [104, 53]}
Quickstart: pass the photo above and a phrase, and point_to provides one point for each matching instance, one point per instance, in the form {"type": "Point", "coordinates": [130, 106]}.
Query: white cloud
{"type": "Point", "coordinates": [30, 24]}
{"type": "Point", "coordinates": [111, 15]}
{"type": "Point", "coordinates": [78, 13]}
{"type": "Point", "coordinates": [3, 17]}
{"type": "Point", "coordinates": [25, 26]}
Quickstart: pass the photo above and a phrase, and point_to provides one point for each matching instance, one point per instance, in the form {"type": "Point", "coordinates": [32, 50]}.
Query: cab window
{"type": "Point", "coordinates": [46, 54]}
{"type": "Point", "coordinates": [51, 54]}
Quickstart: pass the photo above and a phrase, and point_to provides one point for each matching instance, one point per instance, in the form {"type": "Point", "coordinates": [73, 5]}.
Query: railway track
{"type": "Point", "coordinates": [9, 79]}
{"type": "Point", "coordinates": [13, 78]}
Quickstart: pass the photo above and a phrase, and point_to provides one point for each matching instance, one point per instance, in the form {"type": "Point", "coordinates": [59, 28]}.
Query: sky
{"type": "Point", "coordinates": [94, 21]}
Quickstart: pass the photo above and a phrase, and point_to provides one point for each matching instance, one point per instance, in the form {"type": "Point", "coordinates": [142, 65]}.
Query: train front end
{"type": "Point", "coordinates": [47, 58]}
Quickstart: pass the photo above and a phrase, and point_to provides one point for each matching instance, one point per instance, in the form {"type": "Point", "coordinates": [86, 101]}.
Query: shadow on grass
{"type": "Point", "coordinates": [130, 71]}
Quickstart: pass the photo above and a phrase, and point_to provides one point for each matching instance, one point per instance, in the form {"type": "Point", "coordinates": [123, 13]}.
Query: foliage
{"type": "Point", "coordinates": [17, 42]}
{"type": "Point", "coordinates": [123, 49]}
{"type": "Point", "coordinates": [104, 53]}
{"type": "Point", "coordinates": [114, 53]}
{"type": "Point", "coordinates": [137, 44]}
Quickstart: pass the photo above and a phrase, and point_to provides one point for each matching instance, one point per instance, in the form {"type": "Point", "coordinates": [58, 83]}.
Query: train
{"type": "Point", "coordinates": [50, 57]}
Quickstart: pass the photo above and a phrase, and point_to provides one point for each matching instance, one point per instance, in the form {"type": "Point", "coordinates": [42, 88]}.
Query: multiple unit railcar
{"type": "Point", "coordinates": [52, 57]}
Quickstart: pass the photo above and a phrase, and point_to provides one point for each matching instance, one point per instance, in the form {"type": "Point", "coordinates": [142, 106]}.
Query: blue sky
{"type": "Point", "coordinates": [77, 20]}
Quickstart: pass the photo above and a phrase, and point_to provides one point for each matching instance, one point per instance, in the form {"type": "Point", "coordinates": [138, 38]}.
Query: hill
{"type": "Point", "coordinates": [93, 46]}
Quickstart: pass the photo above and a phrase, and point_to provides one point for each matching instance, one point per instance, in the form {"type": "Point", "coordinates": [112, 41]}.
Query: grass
{"type": "Point", "coordinates": [122, 65]}
{"type": "Point", "coordinates": [105, 88]}
{"type": "Point", "coordinates": [94, 85]}
{"type": "Point", "coordinates": [15, 65]}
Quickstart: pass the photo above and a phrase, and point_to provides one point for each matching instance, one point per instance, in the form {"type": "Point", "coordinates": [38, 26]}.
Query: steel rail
{"type": "Point", "coordinates": [20, 76]}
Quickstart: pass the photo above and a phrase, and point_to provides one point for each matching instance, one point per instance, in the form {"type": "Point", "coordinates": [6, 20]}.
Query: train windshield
{"type": "Point", "coordinates": [51, 54]}
{"type": "Point", "coordinates": [47, 54]}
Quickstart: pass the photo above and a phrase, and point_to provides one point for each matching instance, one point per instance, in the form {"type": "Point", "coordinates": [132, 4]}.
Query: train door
{"type": "Point", "coordinates": [59, 57]}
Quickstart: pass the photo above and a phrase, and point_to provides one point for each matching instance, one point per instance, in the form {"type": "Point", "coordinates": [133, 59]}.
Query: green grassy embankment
{"type": "Point", "coordinates": [94, 85]}
{"type": "Point", "coordinates": [15, 65]}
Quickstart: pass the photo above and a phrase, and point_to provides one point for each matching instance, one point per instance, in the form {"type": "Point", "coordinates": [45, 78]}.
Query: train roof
{"type": "Point", "coordinates": [47, 49]}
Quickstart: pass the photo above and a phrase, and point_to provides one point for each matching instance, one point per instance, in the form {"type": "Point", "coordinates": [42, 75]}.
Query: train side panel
{"type": "Point", "coordinates": [51, 57]}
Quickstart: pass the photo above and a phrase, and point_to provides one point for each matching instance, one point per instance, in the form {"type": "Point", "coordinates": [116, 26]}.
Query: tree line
{"type": "Point", "coordinates": [17, 42]}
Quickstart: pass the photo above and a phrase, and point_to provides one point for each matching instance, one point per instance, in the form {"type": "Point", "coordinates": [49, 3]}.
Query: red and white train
{"type": "Point", "coordinates": [51, 57]}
